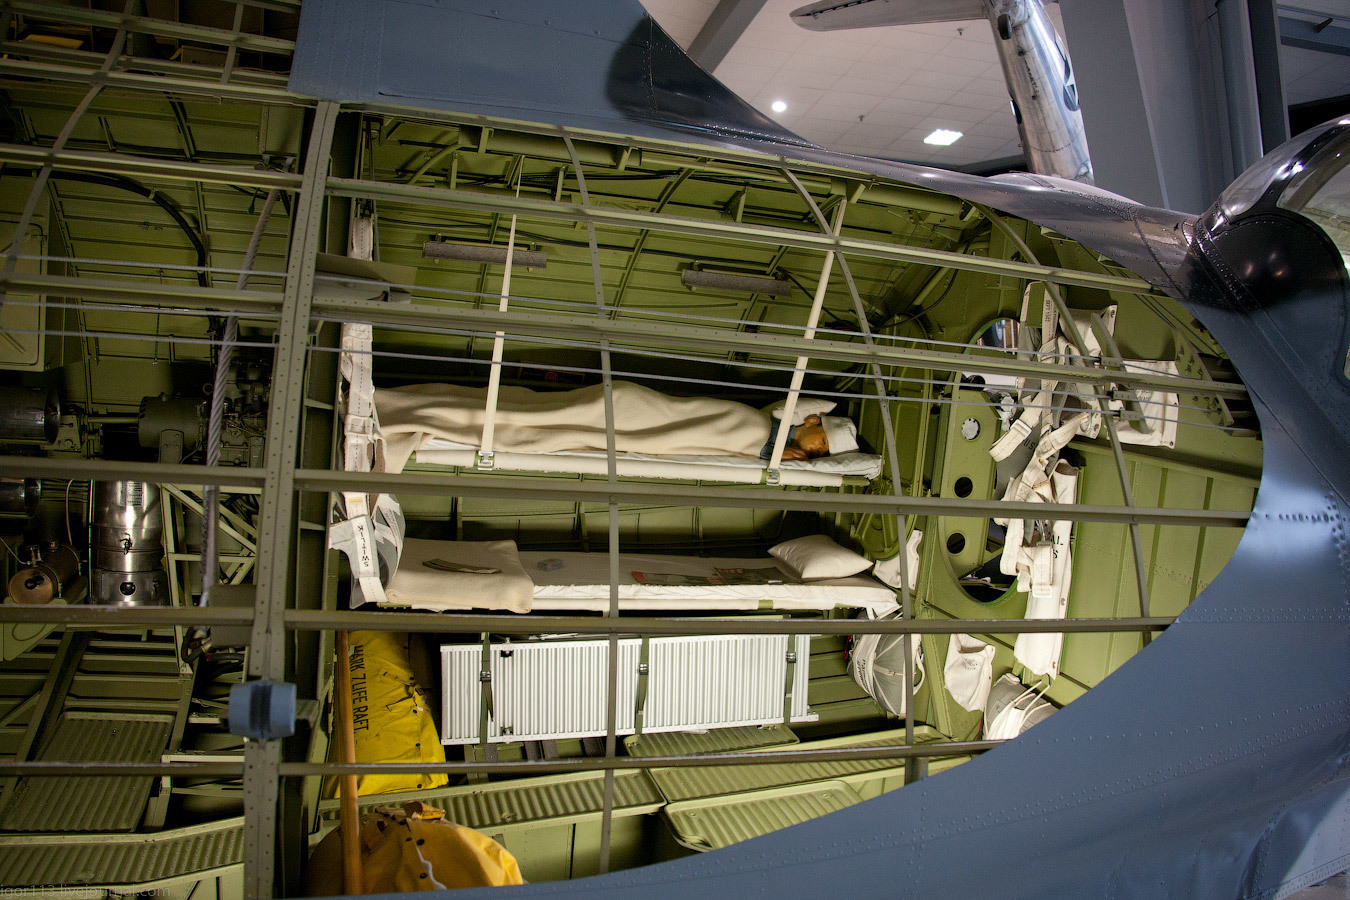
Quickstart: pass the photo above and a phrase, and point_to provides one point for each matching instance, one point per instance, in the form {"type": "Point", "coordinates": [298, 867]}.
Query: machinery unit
{"type": "Point", "coordinates": [128, 545]}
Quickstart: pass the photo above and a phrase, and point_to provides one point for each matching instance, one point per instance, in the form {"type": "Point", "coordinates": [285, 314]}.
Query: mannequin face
{"type": "Point", "coordinates": [810, 441]}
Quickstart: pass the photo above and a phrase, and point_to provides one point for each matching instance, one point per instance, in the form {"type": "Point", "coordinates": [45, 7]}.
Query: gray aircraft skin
{"type": "Point", "coordinates": [1037, 68]}
{"type": "Point", "coordinates": [1213, 764]}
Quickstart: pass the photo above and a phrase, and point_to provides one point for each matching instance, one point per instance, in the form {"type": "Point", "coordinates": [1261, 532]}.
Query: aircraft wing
{"type": "Point", "coordinates": [837, 15]}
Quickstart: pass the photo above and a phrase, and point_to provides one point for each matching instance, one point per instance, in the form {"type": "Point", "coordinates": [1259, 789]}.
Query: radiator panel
{"type": "Point", "coordinates": [547, 690]}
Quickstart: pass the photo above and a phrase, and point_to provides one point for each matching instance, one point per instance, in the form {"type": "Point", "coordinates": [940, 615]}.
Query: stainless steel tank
{"type": "Point", "coordinates": [19, 496]}
{"type": "Point", "coordinates": [129, 545]}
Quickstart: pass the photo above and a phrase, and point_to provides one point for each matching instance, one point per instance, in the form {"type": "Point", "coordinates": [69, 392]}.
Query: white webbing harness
{"type": "Point", "coordinates": [373, 527]}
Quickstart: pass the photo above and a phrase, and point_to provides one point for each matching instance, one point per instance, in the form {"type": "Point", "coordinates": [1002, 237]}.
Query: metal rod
{"type": "Point", "coordinates": [127, 164]}
{"type": "Point", "coordinates": [612, 512]}
{"type": "Point", "coordinates": [116, 470]}
{"type": "Point", "coordinates": [140, 618]}
{"type": "Point", "coordinates": [268, 90]}
{"type": "Point", "coordinates": [347, 781]}
{"type": "Point", "coordinates": [746, 497]}
{"type": "Point", "coordinates": [933, 749]}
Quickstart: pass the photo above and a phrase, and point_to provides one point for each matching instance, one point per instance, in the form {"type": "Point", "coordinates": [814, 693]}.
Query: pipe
{"type": "Point", "coordinates": [347, 783]}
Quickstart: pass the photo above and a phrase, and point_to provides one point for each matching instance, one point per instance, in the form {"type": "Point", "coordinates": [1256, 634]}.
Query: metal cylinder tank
{"type": "Point", "coordinates": [128, 545]}
{"type": "Point", "coordinates": [44, 581]}
{"type": "Point", "coordinates": [19, 496]}
{"type": "Point", "coordinates": [29, 414]}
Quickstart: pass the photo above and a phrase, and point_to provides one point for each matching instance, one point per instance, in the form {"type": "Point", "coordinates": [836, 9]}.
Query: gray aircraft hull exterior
{"type": "Point", "coordinates": [1035, 65]}
{"type": "Point", "coordinates": [1213, 763]}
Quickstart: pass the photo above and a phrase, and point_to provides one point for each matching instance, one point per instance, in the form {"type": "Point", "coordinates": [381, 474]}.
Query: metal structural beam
{"type": "Point", "coordinates": [722, 29]}
{"type": "Point", "coordinates": [535, 488]}
{"type": "Point", "coordinates": [267, 656]}
{"type": "Point", "coordinates": [1308, 35]}
{"type": "Point", "coordinates": [147, 167]}
{"type": "Point", "coordinates": [51, 12]}
{"type": "Point", "coordinates": [246, 89]}
{"type": "Point", "coordinates": [1263, 21]}
{"type": "Point", "coordinates": [505, 202]}
{"type": "Point", "coordinates": [112, 618]}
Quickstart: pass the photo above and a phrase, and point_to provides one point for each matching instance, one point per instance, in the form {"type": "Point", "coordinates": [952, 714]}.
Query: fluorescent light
{"type": "Point", "coordinates": [483, 253]}
{"type": "Point", "coordinates": [778, 106]}
{"type": "Point", "coordinates": [733, 281]}
{"type": "Point", "coordinates": [943, 137]}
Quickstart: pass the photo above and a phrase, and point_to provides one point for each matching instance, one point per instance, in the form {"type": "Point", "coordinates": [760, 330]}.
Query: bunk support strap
{"type": "Point", "coordinates": [485, 452]}
{"type": "Point", "coordinates": [640, 703]}
{"type": "Point", "coordinates": [790, 678]}
{"type": "Point", "coordinates": [799, 371]}
{"type": "Point", "coordinates": [485, 693]}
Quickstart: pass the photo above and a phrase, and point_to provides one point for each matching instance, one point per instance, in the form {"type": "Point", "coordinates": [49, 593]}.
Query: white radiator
{"type": "Point", "coordinates": [543, 690]}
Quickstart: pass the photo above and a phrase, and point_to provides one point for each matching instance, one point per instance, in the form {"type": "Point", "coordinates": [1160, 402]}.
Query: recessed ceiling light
{"type": "Point", "coordinates": [942, 137]}
{"type": "Point", "coordinates": [778, 106]}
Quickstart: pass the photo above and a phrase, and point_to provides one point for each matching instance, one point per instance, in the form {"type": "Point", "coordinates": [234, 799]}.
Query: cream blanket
{"type": "Point", "coordinates": [645, 421]}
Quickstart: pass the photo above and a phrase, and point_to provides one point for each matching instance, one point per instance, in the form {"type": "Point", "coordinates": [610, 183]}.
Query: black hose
{"type": "Point", "coordinates": [159, 198]}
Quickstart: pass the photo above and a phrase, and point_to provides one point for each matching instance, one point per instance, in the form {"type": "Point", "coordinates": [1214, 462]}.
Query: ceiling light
{"type": "Point", "coordinates": [943, 137]}
{"type": "Point", "coordinates": [778, 106]}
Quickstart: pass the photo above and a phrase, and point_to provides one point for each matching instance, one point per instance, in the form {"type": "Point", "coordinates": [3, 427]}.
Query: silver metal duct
{"type": "Point", "coordinates": [19, 496]}
{"type": "Point", "coordinates": [128, 545]}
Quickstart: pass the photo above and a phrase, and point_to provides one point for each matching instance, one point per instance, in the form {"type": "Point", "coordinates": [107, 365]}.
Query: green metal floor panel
{"type": "Point", "coordinates": [717, 740]}
{"type": "Point", "coordinates": [111, 803]}
{"type": "Point", "coordinates": [684, 783]}
{"type": "Point", "coordinates": [119, 859]}
{"type": "Point", "coordinates": [719, 822]}
{"type": "Point", "coordinates": [524, 801]}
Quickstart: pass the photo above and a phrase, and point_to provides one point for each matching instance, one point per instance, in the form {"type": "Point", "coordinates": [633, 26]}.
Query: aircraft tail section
{"type": "Point", "coordinates": [836, 15]}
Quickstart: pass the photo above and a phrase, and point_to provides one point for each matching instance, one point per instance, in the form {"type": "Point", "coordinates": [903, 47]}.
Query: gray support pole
{"type": "Point", "coordinates": [912, 771]}
{"type": "Point", "coordinates": [1239, 83]}
{"type": "Point", "coordinates": [612, 510]}
{"type": "Point", "coordinates": [724, 26]}
{"type": "Point", "coordinates": [267, 658]}
{"type": "Point", "coordinates": [1263, 20]}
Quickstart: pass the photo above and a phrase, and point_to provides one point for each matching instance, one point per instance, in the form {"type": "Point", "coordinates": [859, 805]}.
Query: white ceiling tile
{"type": "Point", "coordinates": [809, 62]}
{"type": "Point", "coordinates": [958, 65]}
{"type": "Point", "coordinates": [925, 78]}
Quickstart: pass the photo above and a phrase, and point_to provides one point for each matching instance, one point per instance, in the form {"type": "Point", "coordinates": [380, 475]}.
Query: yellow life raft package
{"type": "Point", "coordinates": [391, 719]}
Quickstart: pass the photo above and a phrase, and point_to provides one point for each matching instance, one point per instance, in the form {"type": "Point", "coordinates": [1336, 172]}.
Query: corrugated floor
{"type": "Point", "coordinates": [712, 824]}
{"type": "Point", "coordinates": [718, 740]}
{"type": "Point", "coordinates": [118, 859]}
{"type": "Point", "coordinates": [90, 804]}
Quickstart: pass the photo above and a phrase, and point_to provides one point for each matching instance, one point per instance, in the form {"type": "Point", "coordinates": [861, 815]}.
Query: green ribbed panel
{"type": "Point", "coordinates": [718, 740]}
{"type": "Point", "coordinates": [119, 859]}
{"type": "Point", "coordinates": [691, 782]}
{"type": "Point", "coordinates": [717, 823]}
{"type": "Point", "coordinates": [526, 800]}
{"type": "Point", "coordinates": [110, 803]}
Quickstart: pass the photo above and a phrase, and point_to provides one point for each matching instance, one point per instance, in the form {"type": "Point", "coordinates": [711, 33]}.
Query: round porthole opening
{"type": "Point", "coordinates": [963, 487]}
{"type": "Point", "coordinates": [956, 542]}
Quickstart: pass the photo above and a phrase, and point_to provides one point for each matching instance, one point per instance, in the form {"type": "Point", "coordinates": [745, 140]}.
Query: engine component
{"type": "Point", "coordinates": [128, 545]}
{"type": "Point", "coordinates": [29, 414]}
{"type": "Point", "coordinates": [176, 426]}
{"type": "Point", "coordinates": [45, 578]}
{"type": "Point", "coordinates": [19, 496]}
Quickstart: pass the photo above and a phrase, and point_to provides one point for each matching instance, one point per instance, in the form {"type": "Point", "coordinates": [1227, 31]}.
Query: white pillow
{"type": "Point", "coordinates": [806, 406]}
{"type": "Point", "coordinates": [816, 556]}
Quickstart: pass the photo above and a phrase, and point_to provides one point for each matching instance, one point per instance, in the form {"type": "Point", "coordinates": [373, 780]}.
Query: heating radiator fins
{"type": "Point", "coordinates": [557, 689]}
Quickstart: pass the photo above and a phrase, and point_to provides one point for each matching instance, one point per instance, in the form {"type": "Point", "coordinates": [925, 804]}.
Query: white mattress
{"type": "Point", "coordinates": [582, 583]}
{"type": "Point", "coordinates": [827, 471]}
